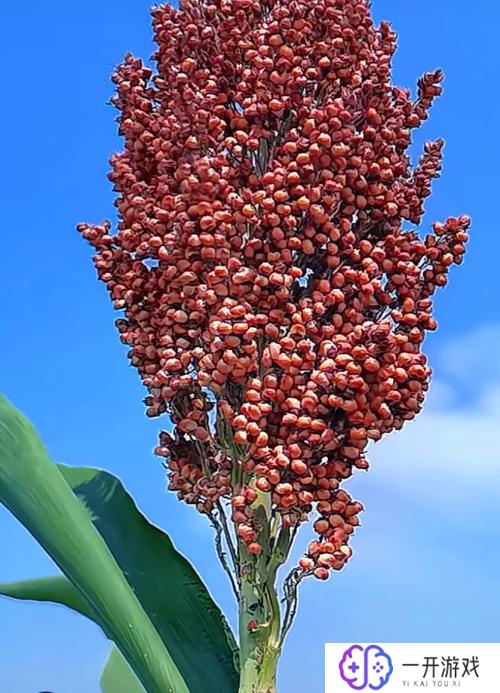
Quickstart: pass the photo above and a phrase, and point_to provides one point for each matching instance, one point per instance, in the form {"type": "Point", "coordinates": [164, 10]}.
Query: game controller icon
{"type": "Point", "coordinates": [368, 667]}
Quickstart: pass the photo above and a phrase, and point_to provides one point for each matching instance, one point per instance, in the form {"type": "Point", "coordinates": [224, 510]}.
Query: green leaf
{"type": "Point", "coordinates": [118, 677]}
{"type": "Point", "coordinates": [36, 492]}
{"type": "Point", "coordinates": [56, 589]}
{"type": "Point", "coordinates": [189, 622]}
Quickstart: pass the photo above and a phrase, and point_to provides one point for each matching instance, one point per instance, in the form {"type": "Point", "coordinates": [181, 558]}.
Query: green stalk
{"type": "Point", "coordinates": [259, 610]}
{"type": "Point", "coordinates": [259, 627]}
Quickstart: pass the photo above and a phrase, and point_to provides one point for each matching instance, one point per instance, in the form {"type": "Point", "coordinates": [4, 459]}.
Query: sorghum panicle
{"type": "Point", "coordinates": [275, 290]}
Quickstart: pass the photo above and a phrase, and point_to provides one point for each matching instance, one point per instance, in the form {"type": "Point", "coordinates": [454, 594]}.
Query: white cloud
{"type": "Point", "coordinates": [460, 445]}
{"type": "Point", "coordinates": [474, 358]}
{"type": "Point", "coordinates": [450, 453]}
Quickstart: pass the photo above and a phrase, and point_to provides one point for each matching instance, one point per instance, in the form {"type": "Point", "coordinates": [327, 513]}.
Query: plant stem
{"type": "Point", "coordinates": [259, 627]}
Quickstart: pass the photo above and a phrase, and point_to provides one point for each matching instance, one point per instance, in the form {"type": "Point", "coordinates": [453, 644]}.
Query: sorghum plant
{"type": "Point", "coordinates": [274, 287]}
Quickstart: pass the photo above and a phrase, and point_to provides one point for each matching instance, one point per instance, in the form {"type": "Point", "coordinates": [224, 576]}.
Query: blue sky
{"type": "Point", "coordinates": [426, 566]}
